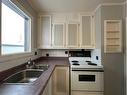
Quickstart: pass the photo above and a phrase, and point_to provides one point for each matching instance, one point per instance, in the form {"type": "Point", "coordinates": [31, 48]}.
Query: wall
{"type": "Point", "coordinates": [113, 62]}
{"type": "Point", "coordinates": [9, 61]}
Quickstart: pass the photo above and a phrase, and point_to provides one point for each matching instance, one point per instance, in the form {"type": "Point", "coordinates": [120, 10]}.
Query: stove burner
{"type": "Point", "coordinates": [90, 63]}
{"type": "Point", "coordinates": [75, 64]}
{"type": "Point", "coordinates": [75, 61]}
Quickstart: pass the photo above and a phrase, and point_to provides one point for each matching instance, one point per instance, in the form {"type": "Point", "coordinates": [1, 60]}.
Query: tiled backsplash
{"type": "Point", "coordinates": [54, 53]}
{"type": "Point", "coordinates": [95, 54]}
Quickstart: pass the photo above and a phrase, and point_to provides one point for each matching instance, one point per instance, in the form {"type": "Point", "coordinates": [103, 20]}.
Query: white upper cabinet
{"type": "Point", "coordinates": [59, 18]}
{"type": "Point", "coordinates": [87, 33]}
{"type": "Point", "coordinates": [58, 35]}
{"type": "Point", "coordinates": [72, 35]}
{"type": "Point", "coordinates": [73, 17]}
{"type": "Point", "coordinates": [44, 33]}
{"type": "Point", "coordinates": [62, 31]}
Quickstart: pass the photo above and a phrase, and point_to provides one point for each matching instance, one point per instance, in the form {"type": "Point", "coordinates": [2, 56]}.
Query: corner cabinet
{"type": "Point", "coordinates": [112, 36]}
{"type": "Point", "coordinates": [87, 35]}
{"type": "Point", "coordinates": [44, 32]}
{"type": "Point", "coordinates": [60, 82]}
{"type": "Point", "coordinates": [58, 35]}
{"type": "Point", "coordinates": [72, 36]}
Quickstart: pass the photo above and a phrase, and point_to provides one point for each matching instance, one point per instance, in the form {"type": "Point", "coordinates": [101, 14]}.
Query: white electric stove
{"type": "Point", "coordinates": [86, 76]}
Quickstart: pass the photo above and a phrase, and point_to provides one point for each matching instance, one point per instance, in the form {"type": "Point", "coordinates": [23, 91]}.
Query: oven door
{"type": "Point", "coordinates": [87, 80]}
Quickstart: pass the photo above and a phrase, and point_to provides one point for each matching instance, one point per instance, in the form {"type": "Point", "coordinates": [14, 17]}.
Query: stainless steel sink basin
{"type": "Point", "coordinates": [25, 76]}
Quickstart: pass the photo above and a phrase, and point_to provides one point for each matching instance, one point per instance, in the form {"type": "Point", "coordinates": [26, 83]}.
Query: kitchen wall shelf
{"type": "Point", "coordinates": [112, 36]}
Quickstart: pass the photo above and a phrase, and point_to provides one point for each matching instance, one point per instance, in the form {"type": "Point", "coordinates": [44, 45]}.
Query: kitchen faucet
{"type": "Point", "coordinates": [30, 64]}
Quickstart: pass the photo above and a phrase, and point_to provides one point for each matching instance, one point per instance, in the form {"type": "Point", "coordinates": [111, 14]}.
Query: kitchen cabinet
{"type": "Point", "coordinates": [72, 35]}
{"type": "Point", "coordinates": [60, 82]}
{"type": "Point", "coordinates": [87, 36]}
{"type": "Point", "coordinates": [44, 31]}
{"type": "Point", "coordinates": [112, 36]}
{"type": "Point", "coordinates": [86, 93]}
{"type": "Point", "coordinates": [48, 88]}
{"type": "Point", "coordinates": [58, 35]}
{"type": "Point", "coordinates": [62, 31]}
{"type": "Point", "coordinates": [58, 18]}
{"type": "Point", "coordinates": [73, 17]}
{"type": "Point", "coordinates": [81, 35]}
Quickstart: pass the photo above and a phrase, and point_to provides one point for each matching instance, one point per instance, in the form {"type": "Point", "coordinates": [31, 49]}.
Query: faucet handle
{"type": "Point", "coordinates": [29, 61]}
{"type": "Point", "coordinates": [28, 65]}
{"type": "Point", "coordinates": [33, 63]}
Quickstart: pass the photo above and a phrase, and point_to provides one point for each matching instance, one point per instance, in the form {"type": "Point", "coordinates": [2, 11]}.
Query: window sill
{"type": "Point", "coordinates": [9, 57]}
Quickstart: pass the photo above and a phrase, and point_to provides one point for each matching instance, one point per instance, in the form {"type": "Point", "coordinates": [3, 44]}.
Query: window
{"type": "Point", "coordinates": [15, 35]}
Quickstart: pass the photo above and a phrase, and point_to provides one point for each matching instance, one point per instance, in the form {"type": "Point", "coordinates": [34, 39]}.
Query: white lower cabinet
{"type": "Point", "coordinates": [86, 93]}
{"type": "Point", "coordinates": [60, 83]}
{"type": "Point", "coordinates": [48, 88]}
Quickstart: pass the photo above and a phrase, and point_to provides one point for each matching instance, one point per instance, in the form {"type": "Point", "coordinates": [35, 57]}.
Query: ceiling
{"type": "Point", "coordinates": [68, 5]}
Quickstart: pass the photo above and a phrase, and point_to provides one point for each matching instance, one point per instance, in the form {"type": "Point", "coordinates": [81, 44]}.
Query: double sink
{"type": "Point", "coordinates": [27, 76]}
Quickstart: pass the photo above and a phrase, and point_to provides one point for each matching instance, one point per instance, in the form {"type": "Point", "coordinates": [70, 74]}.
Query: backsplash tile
{"type": "Point", "coordinates": [54, 53]}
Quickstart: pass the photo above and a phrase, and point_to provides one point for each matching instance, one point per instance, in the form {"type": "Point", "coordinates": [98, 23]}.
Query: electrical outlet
{"type": "Point", "coordinates": [47, 54]}
{"type": "Point", "coordinates": [97, 58]}
{"type": "Point", "coordinates": [35, 53]}
{"type": "Point", "coordinates": [66, 52]}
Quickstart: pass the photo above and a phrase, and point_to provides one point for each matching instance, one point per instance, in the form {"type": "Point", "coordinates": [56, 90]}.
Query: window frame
{"type": "Point", "coordinates": [28, 39]}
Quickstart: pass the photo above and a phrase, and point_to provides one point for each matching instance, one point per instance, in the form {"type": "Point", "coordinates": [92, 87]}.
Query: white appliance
{"type": "Point", "coordinates": [86, 77]}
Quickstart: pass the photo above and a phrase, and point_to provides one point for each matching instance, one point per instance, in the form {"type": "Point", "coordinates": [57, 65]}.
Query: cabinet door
{"type": "Point", "coordinates": [72, 35]}
{"type": "Point", "coordinates": [48, 88]}
{"type": "Point", "coordinates": [86, 93]}
{"type": "Point", "coordinates": [87, 34]}
{"type": "Point", "coordinates": [61, 81]}
{"type": "Point", "coordinates": [44, 34]}
{"type": "Point", "coordinates": [58, 35]}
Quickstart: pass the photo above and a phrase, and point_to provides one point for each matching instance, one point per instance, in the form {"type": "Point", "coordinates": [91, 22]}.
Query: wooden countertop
{"type": "Point", "coordinates": [37, 87]}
